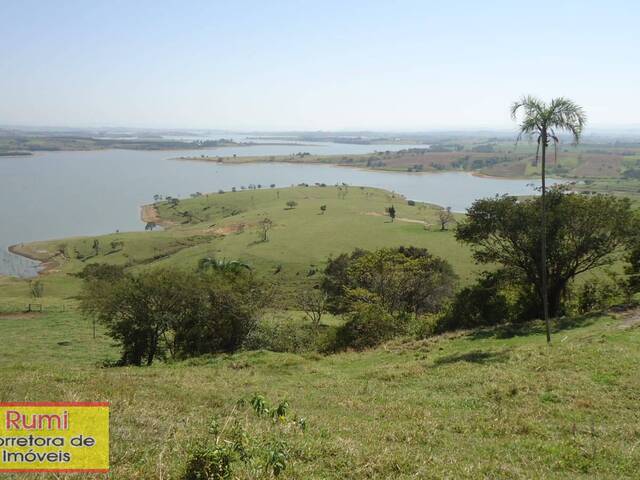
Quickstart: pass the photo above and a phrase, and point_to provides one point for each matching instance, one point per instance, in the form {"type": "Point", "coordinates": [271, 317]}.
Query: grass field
{"type": "Point", "coordinates": [227, 226]}
{"type": "Point", "coordinates": [483, 404]}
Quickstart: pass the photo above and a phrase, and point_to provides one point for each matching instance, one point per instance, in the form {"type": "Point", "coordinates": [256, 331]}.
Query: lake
{"type": "Point", "coordinates": [61, 194]}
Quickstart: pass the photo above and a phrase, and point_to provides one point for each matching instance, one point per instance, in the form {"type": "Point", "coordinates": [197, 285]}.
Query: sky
{"type": "Point", "coordinates": [313, 65]}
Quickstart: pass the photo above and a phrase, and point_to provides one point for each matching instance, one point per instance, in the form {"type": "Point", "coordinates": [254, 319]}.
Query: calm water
{"type": "Point", "coordinates": [60, 194]}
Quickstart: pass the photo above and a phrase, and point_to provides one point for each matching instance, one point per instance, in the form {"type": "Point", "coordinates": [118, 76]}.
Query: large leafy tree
{"type": "Point", "coordinates": [545, 122]}
{"type": "Point", "coordinates": [404, 280]}
{"type": "Point", "coordinates": [582, 232]}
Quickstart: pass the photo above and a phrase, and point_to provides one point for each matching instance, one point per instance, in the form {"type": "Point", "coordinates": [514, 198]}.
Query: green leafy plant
{"type": "Point", "coordinates": [280, 413]}
{"type": "Point", "coordinates": [259, 404]}
{"type": "Point", "coordinates": [277, 456]}
{"type": "Point", "coordinates": [207, 462]}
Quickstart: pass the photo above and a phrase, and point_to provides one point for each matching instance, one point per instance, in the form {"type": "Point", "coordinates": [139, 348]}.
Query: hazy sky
{"type": "Point", "coordinates": [313, 65]}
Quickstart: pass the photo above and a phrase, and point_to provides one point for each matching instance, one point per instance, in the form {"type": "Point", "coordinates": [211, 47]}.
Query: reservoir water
{"type": "Point", "coordinates": [60, 194]}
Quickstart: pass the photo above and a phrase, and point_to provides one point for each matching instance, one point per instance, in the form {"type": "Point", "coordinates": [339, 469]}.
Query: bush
{"type": "Point", "coordinates": [285, 336]}
{"type": "Point", "coordinates": [229, 451]}
{"type": "Point", "coordinates": [101, 271]}
{"type": "Point", "coordinates": [207, 462]}
{"type": "Point", "coordinates": [368, 325]}
{"type": "Point", "coordinates": [483, 303]}
{"type": "Point", "coordinates": [596, 295]}
{"type": "Point", "coordinates": [633, 269]}
{"type": "Point", "coordinates": [424, 326]}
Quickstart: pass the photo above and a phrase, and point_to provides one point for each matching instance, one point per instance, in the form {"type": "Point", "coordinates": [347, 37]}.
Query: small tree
{"type": "Point", "coordinates": [150, 226]}
{"type": "Point", "coordinates": [117, 245]}
{"type": "Point", "coordinates": [265, 225]}
{"type": "Point", "coordinates": [314, 305]}
{"type": "Point", "coordinates": [323, 209]}
{"type": "Point", "coordinates": [391, 211]}
{"type": "Point", "coordinates": [445, 217]}
{"type": "Point", "coordinates": [96, 246]}
{"type": "Point", "coordinates": [37, 288]}
{"type": "Point", "coordinates": [291, 204]}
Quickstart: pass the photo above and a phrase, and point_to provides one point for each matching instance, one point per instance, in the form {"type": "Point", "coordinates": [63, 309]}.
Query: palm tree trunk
{"type": "Point", "coordinates": [543, 256]}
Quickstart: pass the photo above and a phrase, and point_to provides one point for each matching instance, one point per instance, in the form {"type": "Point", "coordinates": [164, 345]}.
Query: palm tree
{"type": "Point", "coordinates": [224, 265]}
{"type": "Point", "coordinates": [545, 121]}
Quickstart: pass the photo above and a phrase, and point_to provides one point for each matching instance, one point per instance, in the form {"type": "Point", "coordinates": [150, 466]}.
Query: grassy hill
{"type": "Point", "coordinates": [482, 404]}
{"type": "Point", "coordinates": [227, 226]}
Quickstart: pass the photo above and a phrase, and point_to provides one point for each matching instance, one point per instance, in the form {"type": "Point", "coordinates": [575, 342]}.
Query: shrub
{"type": "Point", "coordinates": [101, 271]}
{"type": "Point", "coordinates": [424, 326]}
{"type": "Point", "coordinates": [368, 325]}
{"type": "Point", "coordinates": [207, 462]}
{"type": "Point", "coordinates": [284, 336]}
{"type": "Point", "coordinates": [483, 303]}
{"type": "Point", "coordinates": [37, 288]}
{"type": "Point", "coordinates": [596, 295]}
{"type": "Point", "coordinates": [633, 269]}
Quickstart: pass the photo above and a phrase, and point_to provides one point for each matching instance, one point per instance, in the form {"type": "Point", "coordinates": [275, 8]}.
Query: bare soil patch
{"type": "Point", "coordinates": [18, 315]}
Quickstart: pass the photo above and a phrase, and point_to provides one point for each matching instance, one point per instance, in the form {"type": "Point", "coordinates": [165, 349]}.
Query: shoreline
{"type": "Point", "coordinates": [259, 160]}
{"type": "Point", "coordinates": [186, 146]}
{"type": "Point", "coordinates": [45, 265]}
{"type": "Point", "coordinates": [149, 214]}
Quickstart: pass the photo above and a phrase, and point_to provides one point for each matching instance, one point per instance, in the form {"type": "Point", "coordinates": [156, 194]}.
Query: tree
{"type": "Point", "coordinates": [336, 279]}
{"type": "Point", "coordinates": [96, 247]}
{"type": "Point", "coordinates": [150, 226]}
{"type": "Point", "coordinates": [323, 209]}
{"type": "Point", "coordinates": [544, 121]}
{"type": "Point", "coordinates": [116, 245]}
{"type": "Point", "coordinates": [265, 225]}
{"type": "Point", "coordinates": [291, 204]}
{"type": "Point", "coordinates": [314, 305]}
{"type": "Point", "coordinates": [391, 211]}
{"type": "Point", "coordinates": [175, 312]}
{"type": "Point", "coordinates": [582, 233]}
{"type": "Point", "coordinates": [37, 288]}
{"type": "Point", "coordinates": [404, 280]}
{"type": "Point", "coordinates": [445, 217]}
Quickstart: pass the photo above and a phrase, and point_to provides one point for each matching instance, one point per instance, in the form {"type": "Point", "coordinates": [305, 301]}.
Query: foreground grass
{"type": "Point", "coordinates": [486, 404]}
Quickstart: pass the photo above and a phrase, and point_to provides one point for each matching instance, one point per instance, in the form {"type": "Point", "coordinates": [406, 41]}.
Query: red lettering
{"type": "Point", "coordinates": [15, 421]}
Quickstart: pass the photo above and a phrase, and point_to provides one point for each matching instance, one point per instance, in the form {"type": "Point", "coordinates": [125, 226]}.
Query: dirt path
{"type": "Point", "coordinates": [18, 315]}
{"type": "Point", "coordinates": [630, 319]}
{"type": "Point", "coordinates": [399, 219]}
